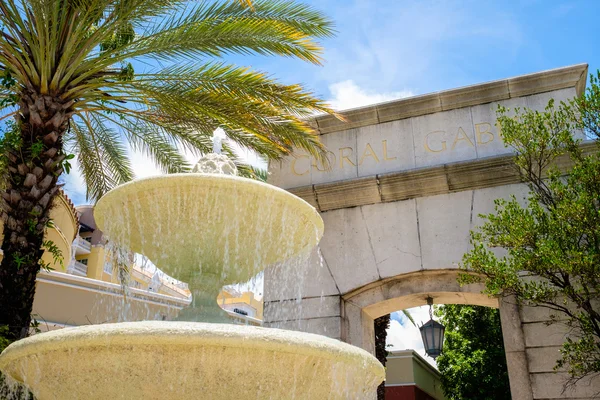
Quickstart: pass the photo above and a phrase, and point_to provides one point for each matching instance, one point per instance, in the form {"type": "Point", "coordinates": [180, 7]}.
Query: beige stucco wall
{"type": "Point", "coordinates": [399, 370]}
{"type": "Point", "coordinates": [96, 262]}
{"type": "Point", "coordinates": [427, 380]}
{"type": "Point", "coordinates": [66, 299]}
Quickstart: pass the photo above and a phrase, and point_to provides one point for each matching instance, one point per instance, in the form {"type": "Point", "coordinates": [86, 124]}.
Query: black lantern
{"type": "Point", "coordinates": [432, 333]}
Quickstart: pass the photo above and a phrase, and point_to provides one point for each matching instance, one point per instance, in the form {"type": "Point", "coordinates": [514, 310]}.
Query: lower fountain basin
{"type": "Point", "coordinates": [189, 360]}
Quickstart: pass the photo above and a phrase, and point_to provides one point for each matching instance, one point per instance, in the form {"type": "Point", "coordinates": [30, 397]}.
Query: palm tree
{"type": "Point", "coordinates": [69, 89]}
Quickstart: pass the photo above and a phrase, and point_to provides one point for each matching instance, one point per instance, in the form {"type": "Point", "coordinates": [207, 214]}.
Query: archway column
{"type": "Point", "coordinates": [357, 327]}
{"type": "Point", "coordinates": [514, 346]}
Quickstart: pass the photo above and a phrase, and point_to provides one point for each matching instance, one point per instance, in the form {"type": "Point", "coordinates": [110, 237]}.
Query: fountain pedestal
{"type": "Point", "coordinates": [205, 289]}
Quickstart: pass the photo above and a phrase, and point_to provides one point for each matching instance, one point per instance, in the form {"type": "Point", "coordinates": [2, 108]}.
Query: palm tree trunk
{"type": "Point", "coordinates": [34, 163]}
{"type": "Point", "coordinates": [381, 326]}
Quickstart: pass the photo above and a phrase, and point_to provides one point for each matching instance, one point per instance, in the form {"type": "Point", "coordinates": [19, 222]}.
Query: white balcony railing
{"type": "Point", "coordinates": [82, 246]}
{"type": "Point", "coordinates": [77, 268]}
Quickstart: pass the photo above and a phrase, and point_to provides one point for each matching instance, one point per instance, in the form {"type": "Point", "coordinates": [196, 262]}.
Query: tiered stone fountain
{"type": "Point", "coordinates": [209, 228]}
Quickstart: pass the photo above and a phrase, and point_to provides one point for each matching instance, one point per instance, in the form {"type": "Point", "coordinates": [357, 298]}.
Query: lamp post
{"type": "Point", "coordinates": [432, 333]}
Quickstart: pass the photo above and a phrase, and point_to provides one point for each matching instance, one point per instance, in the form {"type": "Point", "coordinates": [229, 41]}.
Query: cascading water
{"type": "Point", "coordinates": [209, 228]}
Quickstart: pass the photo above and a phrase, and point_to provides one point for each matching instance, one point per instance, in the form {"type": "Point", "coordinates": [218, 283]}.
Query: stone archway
{"type": "Point", "coordinates": [362, 306]}
{"type": "Point", "coordinates": [406, 186]}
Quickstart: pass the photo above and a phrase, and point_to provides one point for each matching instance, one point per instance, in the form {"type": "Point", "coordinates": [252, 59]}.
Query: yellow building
{"type": "Point", "coordinates": [409, 377]}
{"type": "Point", "coordinates": [243, 307]}
{"type": "Point", "coordinates": [85, 289]}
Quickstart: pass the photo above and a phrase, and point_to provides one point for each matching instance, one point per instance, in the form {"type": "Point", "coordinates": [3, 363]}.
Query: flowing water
{"type": "Point", "coordinates": [208, 230]}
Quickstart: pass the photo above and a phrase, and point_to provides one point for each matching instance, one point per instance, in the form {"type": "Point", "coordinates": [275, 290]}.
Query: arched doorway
{"type": "Point", "coordinates": [360, 307]}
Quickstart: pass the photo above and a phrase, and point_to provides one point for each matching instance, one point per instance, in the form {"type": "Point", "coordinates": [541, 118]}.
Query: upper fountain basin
{"type": "Point", "coordinates": [221, 225]}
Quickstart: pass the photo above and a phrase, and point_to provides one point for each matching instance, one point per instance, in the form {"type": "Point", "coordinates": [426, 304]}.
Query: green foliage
{"type": "Point", "coordinates": [57, 256]}
{"type": "Point", "coordinates": [381, 325]}
{"type": "Point", "coordinates": [36, 149]}
{"type": "Point", "coordinates": [31, 224]}
{"type": "Point", "coordinates": [8, 82]}
{"type": "Point", "coordinates": [553, 241]}
{"type": "Point", "coordinates": [4, 337]}
{"type": "Point", "coordinates": [65, 164]}
{"type": "Point", "coordinates": [20, 260]}
{"type": "Point", "coordinates": [473, 363]}
{"type": "Point", "coordinates": [11, 139]}
{"type": "Point", "coordinates": [127, 72]}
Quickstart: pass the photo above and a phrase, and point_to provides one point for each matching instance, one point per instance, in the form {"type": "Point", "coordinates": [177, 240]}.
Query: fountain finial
{"type": "Point", "coordinates": [215, 164]}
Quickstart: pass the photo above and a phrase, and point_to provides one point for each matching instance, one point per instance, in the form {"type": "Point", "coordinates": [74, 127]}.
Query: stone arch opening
{"type": "Point", "coordinates": [362, 306]}
{"type": "Point", "coordinates": [412, 289]}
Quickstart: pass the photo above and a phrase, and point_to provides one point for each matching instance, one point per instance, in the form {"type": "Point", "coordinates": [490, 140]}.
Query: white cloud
{"type": "Point", "coordinates": [426, 46]}
{"type": "Point", "coordinates": [404, 335]}
{"type": "Point", "coordinates": [347, 94]}
{"type": "Point", "coordinates": [142, 165]}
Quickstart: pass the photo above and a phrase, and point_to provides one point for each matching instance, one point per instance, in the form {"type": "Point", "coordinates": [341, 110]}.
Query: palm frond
{"type": "Point", "coordinates": [283, 28]}
{"type": "Point", "coordinates": [76, 53]}
{"type": "Point", "coordinates": [155, 142]}
{"type": "Point", "coordinates": [409, 316]}
{"type": "Point", "coordinates": [254, 110]}
{"type": "Point", "coordinates": [102, 157]}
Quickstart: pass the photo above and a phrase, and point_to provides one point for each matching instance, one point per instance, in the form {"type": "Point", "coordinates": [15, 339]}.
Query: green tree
{"type": "Point", "coordinates": [473, 363]}
{"type": "Point", "coordinates": [381, 325]}
{"type": "Point", "coordinates": [67, 85]}
{"type": "Point", "coordinates": [552, 243]}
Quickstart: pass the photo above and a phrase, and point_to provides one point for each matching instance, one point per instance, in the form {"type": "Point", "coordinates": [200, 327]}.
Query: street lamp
{"type": "Point", "coordinates": [432, 333]}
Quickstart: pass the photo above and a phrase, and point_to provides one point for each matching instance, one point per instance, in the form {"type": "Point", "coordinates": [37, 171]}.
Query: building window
{"type": "Point", "coordinates": [108, 268]}
{"type": "Point", "coordinates": [242, 312]}
{"type": "Point", "coordinates": [88, 239]}
{"type": "Point", "coordinates": [83, 261]}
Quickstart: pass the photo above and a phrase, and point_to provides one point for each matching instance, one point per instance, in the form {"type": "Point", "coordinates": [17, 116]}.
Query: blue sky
{"type": "Point", "coordinates": [420, 46]}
